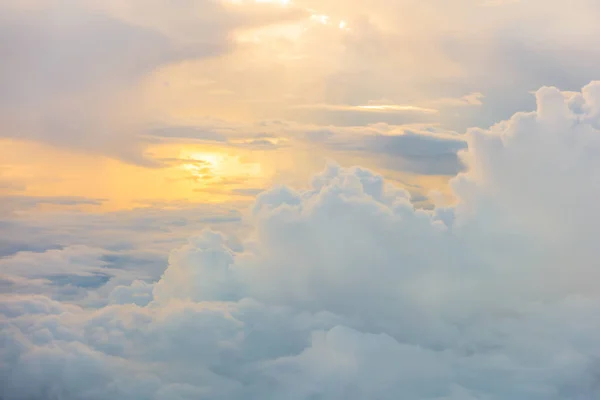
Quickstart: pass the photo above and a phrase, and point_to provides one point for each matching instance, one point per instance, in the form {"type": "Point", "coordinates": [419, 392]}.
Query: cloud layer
{"type": "Point", "coordinates": [73, 67]}
{"type": "Point", "coordinates": [96, 76]}
{"type": "Point", "coordinates": [346, 291]}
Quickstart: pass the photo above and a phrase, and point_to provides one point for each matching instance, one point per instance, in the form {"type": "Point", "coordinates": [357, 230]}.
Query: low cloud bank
{"type": "Point", "coordinates": [346, 291]}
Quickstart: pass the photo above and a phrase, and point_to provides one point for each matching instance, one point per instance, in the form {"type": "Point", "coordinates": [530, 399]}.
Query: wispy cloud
{"type": "Point", "coordinates": [372, 108]}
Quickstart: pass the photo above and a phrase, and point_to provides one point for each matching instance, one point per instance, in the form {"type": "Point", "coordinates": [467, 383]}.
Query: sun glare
{"type": "Point", "coordinates": [323, 19]}
{"type": "Point", "coordinates": [211, 166]}
{"type": "Point", "coordinates": [282, 2]}
{"type": "Point", "coordinates": [212, 159]}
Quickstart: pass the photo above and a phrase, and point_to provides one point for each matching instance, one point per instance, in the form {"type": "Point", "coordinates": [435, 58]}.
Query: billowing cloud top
{"type": "Point", "coordinates": [346, 291]}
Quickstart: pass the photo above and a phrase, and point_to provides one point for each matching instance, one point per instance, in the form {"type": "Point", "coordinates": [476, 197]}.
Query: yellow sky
{"type": "Point", "coordinates": [81, 100]}
{"type": "Point", "coordinates": [193, 174]}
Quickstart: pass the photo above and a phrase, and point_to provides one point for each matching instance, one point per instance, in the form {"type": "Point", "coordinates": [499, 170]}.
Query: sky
{"type": "Point", "coordinates": [299, 199]}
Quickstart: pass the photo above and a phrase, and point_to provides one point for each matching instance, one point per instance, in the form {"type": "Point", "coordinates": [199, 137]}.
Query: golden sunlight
{"type": "Point", "coordinates": [323, 19]}
{"type": "Point", "coordinates": [191, 173]}
{"type": "Point", "coordinates": [210, 168]}
{"type": "Point", "coordinates": [282, 2]}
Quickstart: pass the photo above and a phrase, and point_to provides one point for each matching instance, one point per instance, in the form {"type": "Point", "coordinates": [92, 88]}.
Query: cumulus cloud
{"type": "Point", "coordinates": [345, 290]}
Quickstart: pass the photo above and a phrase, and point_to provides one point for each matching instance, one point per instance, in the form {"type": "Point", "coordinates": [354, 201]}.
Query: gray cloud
{"type": "Point", "coordinates": [226, 134]}
{"type": "Point", "coordinates": [70, 65]}
{"type": "Point", "coordinates": [418, 152]}
{"type": "Point", "coordinates": [74, 256]}
{"type": "Point", "coordinates": [418, 148]}
{"type": "Point", "coordinates": [188, 132]}
{"type": "Point", "coordinates": [67, 65]}
{"type": "Point", "coordinates": [248, 191]}
{"type": "Point", "coordinates": [13, 203]}
{"type": "Point", "coordinates": [31, 201]}
{"type": "Point", "coordinates": [423, 151]}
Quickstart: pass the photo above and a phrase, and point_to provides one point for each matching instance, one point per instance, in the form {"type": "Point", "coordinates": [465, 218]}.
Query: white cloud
{"type": "Point", "coordinates": [345, 290]}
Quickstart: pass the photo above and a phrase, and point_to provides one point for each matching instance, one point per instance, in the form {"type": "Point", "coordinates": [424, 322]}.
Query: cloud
{"type": "Point", "coordinates": [78, 73]}
{"type": "Point", "coordinates": [160, 223]}
{"type": "Point", "coordinates": [11, 203]}
{"type": "Point", "coordinates": [370, 108]}
{"type": "Point", "coordinates": [345, 115]}
{"type": "Point", "coordinates": [388, 107]}
{"type": "Point", "coordinates": [248, 191]}
{"type": "Point", "coordinates": [471, 99]}
{"type": "Point", "coordinates": [345, 290]}
{"type": "Point", "coordinates": [188, 132]}
{"type": "Point", "coordinates": [68, 274]}
{"type": "Point", "coordinates": [422, 150]}
{"type": "Point", "coordinates": [240, 136]}
{"type": "Point", "coordinates": [416, 148]}
{"type": "Point", "coordinates": [433, 55]}
{"type": "Point", "coordinates": [73, 67]}
{"type": "Point", "coordinates": [82, 257]}
{"type": "Point", "coordinates": [68, 63]}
